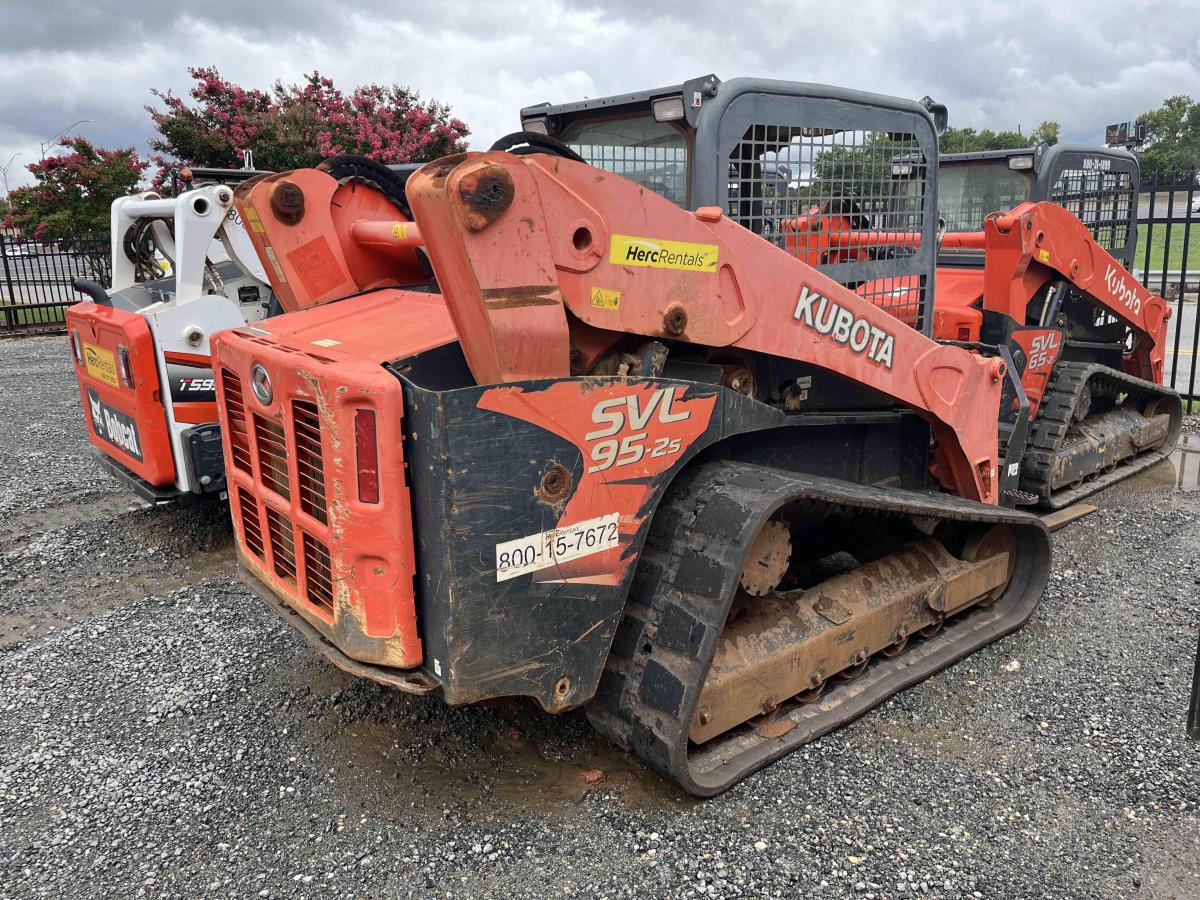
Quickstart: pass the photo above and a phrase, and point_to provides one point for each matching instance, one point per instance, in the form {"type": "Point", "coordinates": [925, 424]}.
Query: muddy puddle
{"type": "Point", "coordinates": [507, 770]}
{"type": "Point", "coordinates": [411, 753]}
{"type": "Point", "coordinates": [1181, 471]}
{"type": "Point", "coordinates": [68, 513]}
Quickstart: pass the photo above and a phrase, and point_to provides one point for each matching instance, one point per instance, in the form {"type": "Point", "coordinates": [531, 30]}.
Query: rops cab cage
{"type": "Point", "coordinates": [806, 166]}
{"type": "Point", "coordinates": [1098, 185]}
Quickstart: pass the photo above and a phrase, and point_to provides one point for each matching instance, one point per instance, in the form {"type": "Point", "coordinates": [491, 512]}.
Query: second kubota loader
{"type": "Point", "coordinates": [561, 438]}
{"type": "Point", "coordinates": [1035, 258]}
{"type": "Point", "coordinates": [1046, 272]}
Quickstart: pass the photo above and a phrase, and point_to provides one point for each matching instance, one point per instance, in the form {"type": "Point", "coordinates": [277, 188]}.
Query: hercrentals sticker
{"type": "Point", "coordinates": [826, 317]}
{"type": "Point", "coordinates": [653, 253]}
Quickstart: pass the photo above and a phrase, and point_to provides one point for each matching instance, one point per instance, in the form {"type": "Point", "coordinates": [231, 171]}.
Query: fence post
{"type": "Point", "coordinates": [12, 297]}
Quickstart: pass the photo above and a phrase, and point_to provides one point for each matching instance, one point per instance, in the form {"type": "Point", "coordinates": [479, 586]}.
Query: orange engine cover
{"type": "Point", "coordinates": [125, 422]}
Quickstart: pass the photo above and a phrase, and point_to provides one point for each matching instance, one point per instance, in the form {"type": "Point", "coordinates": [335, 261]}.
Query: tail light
{"type": "Point", "coordinates": [964, 334]}
{"type": "Point", "coordinates": [77, 347]}
{"type": "Point", "coordinates": [124, 366]}
{"type": "Point", "coordinates": [368, 456]}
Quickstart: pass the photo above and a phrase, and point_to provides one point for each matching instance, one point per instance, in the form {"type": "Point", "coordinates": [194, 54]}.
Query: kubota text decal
{"type": "Point", "coordinates": [827, 317]}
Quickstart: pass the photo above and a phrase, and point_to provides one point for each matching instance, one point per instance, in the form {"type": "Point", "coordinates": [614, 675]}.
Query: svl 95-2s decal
{"type": "Point", "coordinates": [615, 413]}
{"type": "Point", "coordinates": [627, 433]}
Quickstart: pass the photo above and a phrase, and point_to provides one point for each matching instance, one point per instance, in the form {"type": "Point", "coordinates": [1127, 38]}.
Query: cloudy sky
{"type": "Point", "coordinates": [995, 64]}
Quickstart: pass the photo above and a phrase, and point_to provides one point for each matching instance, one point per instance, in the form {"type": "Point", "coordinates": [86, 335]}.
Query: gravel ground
{"type": "Point", "coordinates": [163, 735]}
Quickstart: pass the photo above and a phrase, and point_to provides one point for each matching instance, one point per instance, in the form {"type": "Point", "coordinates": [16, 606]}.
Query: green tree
{"type": "Point", "coordinates": [968, 140]}
{"type": "Point", "coordinates": [72, 193]}
{"type": "Point", "coordinates": [1047, 132]}
{"type": "Point", "coordinates": [291, 126]}
{"type": "Point", "coordinates": [1172, 136]}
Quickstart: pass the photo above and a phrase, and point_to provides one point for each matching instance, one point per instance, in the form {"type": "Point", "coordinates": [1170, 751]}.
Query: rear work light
{"type": "Point", "coordinates": [368, 456]}
{"type": "Point", "coordinates": [667, 109]}
{"type": "Point", "coordinates": [1020, 162]}
{"type": "Point", "coordinates": [77, 347]}
{"type": "Point", "coordinates": [124, 366]}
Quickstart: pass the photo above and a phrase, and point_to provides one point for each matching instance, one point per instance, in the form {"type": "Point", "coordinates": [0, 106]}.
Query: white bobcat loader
{"type": "Point", "coordinates": [183, 269]}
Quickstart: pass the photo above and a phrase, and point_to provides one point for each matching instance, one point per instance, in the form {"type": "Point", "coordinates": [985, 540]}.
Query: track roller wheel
{"type": "Point", "coordinates": [686, 687]}
{"type": "Point", "coordinates": [813, 693]}
{"type": "Point", "coordinates": [989, 543]}
{"type": "Point", "coordinates": [931, 630]}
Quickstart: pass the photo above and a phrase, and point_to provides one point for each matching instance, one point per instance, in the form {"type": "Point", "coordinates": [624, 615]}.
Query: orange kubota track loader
{"type": "Point", "coordinates": [1046, 278]}
{"type": "Point", "coordinates": [561, 438]}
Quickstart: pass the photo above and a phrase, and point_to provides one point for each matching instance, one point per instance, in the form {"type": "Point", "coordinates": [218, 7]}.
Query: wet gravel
{"type": "Point", "coordinates": [163, 735]}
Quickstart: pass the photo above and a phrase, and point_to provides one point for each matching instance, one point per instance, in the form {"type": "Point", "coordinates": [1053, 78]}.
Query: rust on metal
{"type": "Point", "coordinates": [675, 320]}
{"type": "Point", "coordinates": [520, 297]}
{"type": "Point", "coordinates": [556, 485]}
{"type": "Point", "coordinates": [486, 192]}
{"type": "Point", "coordinates": [740, 379]}
{"type": "Point", "coordinates": [287, 202]}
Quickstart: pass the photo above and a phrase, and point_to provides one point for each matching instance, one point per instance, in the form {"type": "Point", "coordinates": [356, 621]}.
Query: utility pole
{"type": "Point", "coordinates": [4, 172]}
{"type": "Point", "coordinates": [49, 142]}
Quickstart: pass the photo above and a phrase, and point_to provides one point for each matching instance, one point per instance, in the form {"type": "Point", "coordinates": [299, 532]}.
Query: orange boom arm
{"type": "Point", "coordinates": [539, 257]}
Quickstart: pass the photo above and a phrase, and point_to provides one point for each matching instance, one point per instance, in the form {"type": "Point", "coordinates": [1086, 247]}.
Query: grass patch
{"type": "Point", "coordinates": [16, 314]}
{"type": "Point", "coordinates": [1173, 248]}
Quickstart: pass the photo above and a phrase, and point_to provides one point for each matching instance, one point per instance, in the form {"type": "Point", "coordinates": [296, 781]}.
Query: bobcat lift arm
{"type": "Point", "coordinates": [200, 216]}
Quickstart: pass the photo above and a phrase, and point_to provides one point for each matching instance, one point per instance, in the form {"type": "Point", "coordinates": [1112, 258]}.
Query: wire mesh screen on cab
{"type": "Point", "coordinates": [851, 203]}
{"type": "Point", "coordinates": [653, 154]}
{"type": "Point", "coordinates": [1103, 201]}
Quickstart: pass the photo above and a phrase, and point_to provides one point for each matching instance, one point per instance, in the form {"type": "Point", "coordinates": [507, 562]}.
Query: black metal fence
{"type": "Point", "coordinates": [35, 279]}
{"type": "Point", "coordinates": [1168, 263]}
{"type": "Point", "coordinates": [35, 276]}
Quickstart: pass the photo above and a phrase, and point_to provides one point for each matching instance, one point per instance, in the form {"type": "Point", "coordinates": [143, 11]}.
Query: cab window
{"type": "Point", "coordinates": [654, 154]}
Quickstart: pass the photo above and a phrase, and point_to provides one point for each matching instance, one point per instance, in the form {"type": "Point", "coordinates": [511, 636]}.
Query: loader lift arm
{"type": "Point", "coordinates": [541, 257]}
{"type": "Point", "coordinates": [1037, 243]}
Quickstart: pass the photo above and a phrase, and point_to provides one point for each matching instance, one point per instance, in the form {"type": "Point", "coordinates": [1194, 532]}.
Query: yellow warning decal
{"type": "Point", "coordinates": [1043, 256]}
{"type": "Point", "coordinates": [400, 231]}
{"type": "Point", "coordinates": [603, 298]}
{"type": "Point", "coordinates": [659, 254]}
{"type": "Point", "coordinates": [253, 220]}
{"type": "Point", "coordinates": [100, 364]}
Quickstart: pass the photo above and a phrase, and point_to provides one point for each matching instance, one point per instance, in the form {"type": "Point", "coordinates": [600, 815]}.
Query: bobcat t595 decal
{"type": "Point", "coordinates": [627, 433]}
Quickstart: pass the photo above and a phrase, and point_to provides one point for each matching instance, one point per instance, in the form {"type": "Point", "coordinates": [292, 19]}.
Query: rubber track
{"type": "Point", "coordinates": [684, 584]}
{"type": "Point", "coordinates": [1054, 420]}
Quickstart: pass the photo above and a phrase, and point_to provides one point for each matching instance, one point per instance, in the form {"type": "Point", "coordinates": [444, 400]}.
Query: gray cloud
{"type": "Point", "coordinates": [994, 64]}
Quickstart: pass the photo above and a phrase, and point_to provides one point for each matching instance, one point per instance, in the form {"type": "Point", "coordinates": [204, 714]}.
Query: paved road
{"type": "Point", "coordinates": [1183, 322]}
{"type": "Point", "coordinates": [1163, 205]}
